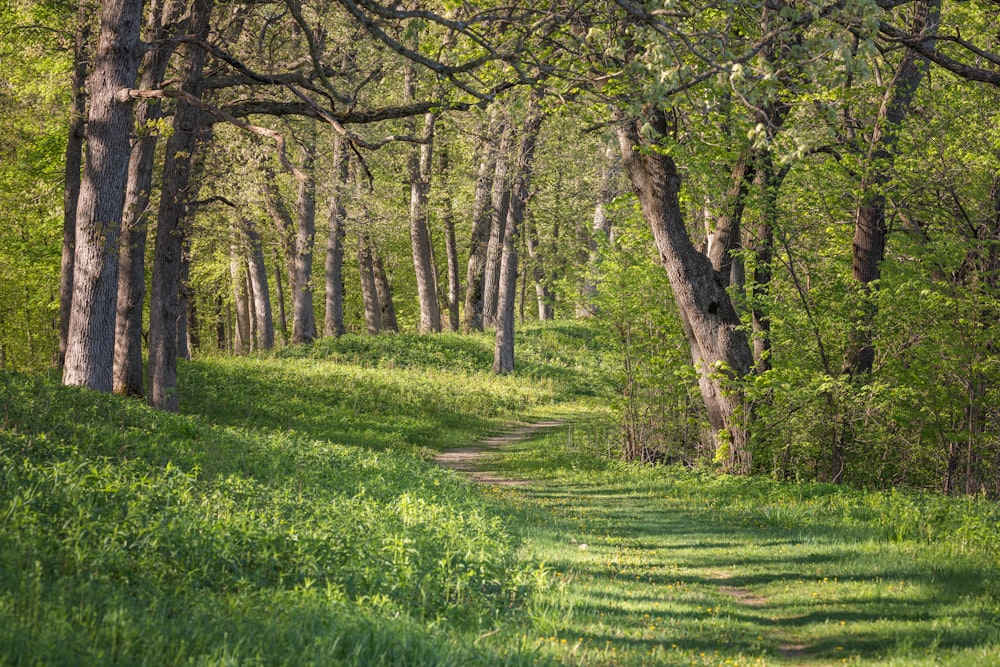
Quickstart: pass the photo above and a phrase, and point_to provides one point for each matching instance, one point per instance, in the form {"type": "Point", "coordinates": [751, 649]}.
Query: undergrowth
{"type": "Point", "coordinates": [288, 517]}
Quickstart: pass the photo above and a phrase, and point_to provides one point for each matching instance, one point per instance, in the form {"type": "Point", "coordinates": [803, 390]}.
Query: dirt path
{"type": "Point", "coordinates": [467, 459]}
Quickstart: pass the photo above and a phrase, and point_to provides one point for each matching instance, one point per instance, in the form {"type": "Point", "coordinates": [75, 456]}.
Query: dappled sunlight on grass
{"type": "Point", "coordinates": [673, 567]}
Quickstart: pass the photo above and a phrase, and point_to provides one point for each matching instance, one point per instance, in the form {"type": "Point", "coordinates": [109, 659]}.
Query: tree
{"type": "Point", "coordinates": [333, 324]}
{"type": "Point", "coordinates": [90, 342]}
{"type": "Point", "coordinates": [503, 352]}
{"type": "Point", "coordinates": [164, 301]}
{"type": "Point", "coordinates": [419, 166]}
{"type": "Point", "coordinates": [74, 161]}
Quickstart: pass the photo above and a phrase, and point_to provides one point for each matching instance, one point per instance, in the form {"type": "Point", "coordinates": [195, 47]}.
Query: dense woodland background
{"type": "Point", "coordinates": [783, 217]}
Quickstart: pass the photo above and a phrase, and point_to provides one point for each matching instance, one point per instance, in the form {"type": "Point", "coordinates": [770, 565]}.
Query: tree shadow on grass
{"type": "Point", "coordinates": [729, 587]}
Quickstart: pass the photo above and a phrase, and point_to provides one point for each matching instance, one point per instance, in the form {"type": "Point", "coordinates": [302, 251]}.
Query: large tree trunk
{"type": "Point", "coordinates": [91, 336]}
{"type": "Point", "coordinates": [472, 316]}
{"type": "Point", "coordinates": [164, 297]}
{"type": "Point", "coordinates": [304, 317]}
{"type": "Point", "coordinates": [74, 161]}
{"type": "Point", "coordinates": [128, 372]}
{"type": "Point", "coordinates": [869, 220]}
{"type": "Point", "coordinates": [333, 324]}
{"type": "Point", "coordinates": [503, 351]}
{"type": "Point", "coordinates": [499, 203]}
{"type": "Point", "coordinates": [719, 345]}
{"type": "Point", "coordinates": [369, 295]}
{"type": "Point", "coordinates": [261, 294]}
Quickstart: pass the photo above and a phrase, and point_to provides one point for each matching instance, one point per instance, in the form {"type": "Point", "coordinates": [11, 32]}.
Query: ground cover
{"type": "Point", "coordinates": [666, 566]}
{"type": "Point", "coordinates": [292, 515]}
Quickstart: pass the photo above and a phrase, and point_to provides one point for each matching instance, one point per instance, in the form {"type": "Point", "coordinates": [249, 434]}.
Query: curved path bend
{"type": "Point", "coordinates": [467, 459]}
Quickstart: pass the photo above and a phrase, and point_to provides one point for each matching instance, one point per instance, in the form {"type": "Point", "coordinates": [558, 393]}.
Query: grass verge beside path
{"type": "Point", "coordinates": [660, 566]}
{"type": "Point", "coordinates": [288, 517]}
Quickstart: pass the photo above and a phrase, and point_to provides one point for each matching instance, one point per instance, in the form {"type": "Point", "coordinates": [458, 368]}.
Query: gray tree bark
{"type": "Point", "coordinates": [164, 306]}
{"type": "Point", "coordinates": [91, 335]}
{"type": "Point", "coordinates": [383, 290]}
{"type": "Point", "coordinates": [369, 295]}
{"type": "Point", "coordinates": [74, 162]}
{"type": "Point", "coordinates": [719, 345]}
{"type": "Point", "coordinates": [258, 282]}
{"type": "Point", "coordinates": [420, 239]}
{"type": "Point", "coordinates": [241, 328]}
{"type": "Point", "coordinates": [472, 315]}
{"type": "Point", "coordinates": [304, 317]}
{"type": "Point", "coordinates": [499, 203]}
{"type": "Point", "coordinates": [543, 295]}
{"type": "Point", "coordinates": [128, 371]}
{"type": "Point", "coordinates": [503, 351]}
{"type": "Point", "coordinates": [333, 324]}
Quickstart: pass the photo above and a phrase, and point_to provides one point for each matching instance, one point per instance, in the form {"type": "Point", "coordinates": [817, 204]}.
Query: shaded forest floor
{"type": "Point", "coordinates": [293, 515]}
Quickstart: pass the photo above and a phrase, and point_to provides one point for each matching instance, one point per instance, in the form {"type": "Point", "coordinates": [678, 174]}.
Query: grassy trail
{"type": "Point", "coordinates": [660, 567]}
{"type": "Point", "coordinates": [291, 515]}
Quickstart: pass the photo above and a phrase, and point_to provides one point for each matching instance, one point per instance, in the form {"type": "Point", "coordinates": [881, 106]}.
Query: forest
{"type": "Point", "coordinates": [819, 183]}
{"type": "Point", "coordinates": [267, 257]}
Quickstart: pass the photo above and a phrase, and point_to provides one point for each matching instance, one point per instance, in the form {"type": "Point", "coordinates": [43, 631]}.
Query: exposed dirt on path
{"type": "Point", "coordinates": [467, 459]}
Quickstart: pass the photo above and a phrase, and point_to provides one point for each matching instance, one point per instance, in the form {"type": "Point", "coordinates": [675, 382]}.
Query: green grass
{"type": "Point", "coordinates": [678, 567]}
{"type": "Point", "coordinates": [290, 516]}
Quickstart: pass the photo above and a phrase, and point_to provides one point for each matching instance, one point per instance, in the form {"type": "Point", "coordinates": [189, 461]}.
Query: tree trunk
{"type": "Point", "coordinates": [333, 324]}
{"type": "Point", "coordinates": [420, 240]}
{"type": "Point", "coordinates": [279, 293]}
{"type": "Point", "coordinates": [90, 340]}
{"type": "Point", "coordinates": [304, 317]}
{"type": "Point", "coordinates": [869, 220]}
{"type": "Point", "coordinates": [185, 296]}
{"type": "Point", "coordinates": [220, 324]}
{"type": "Point", "coordinates": [387, 308]}
{"type": "Point", "coordinates": [725, 239]}
{"type": "Point", "coordinates": [499, 203]}
{"type": "Point", "coordinates": [719, 346]}
{"type": "Point", "coordinates": [503, 351]}
{"type": "Point", "coordinates": [128, 372]}
{"type": "Point", "coordinates": [472, 316]}
{"type": "Point", "coordinates": [74, 161]}
{"type": "Point", "coordinates": [254, 339]}
{"type": "Point", "coordinates": [543, 295]}
{"type": "Point", "coordinates": [451, 249]}
{"type": "Point", "coordinates": [767, 183]}
{"type": "Point", "coordinates": [261, 294]}
{"type": "Point", "coordinates": [369, 295]}
{"type": "Point", "coordinates": [164, 297]}
{"type": "Point", "coordinates": [241, 330]}
{"type": "Point", "coordinates": [285, 228]}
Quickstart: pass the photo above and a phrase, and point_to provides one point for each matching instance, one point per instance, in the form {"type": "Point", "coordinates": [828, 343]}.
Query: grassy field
{"type": "Point", "coordinates": [290, 516]}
